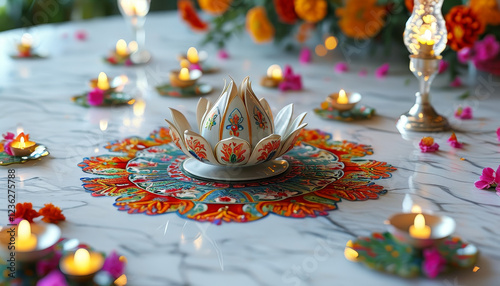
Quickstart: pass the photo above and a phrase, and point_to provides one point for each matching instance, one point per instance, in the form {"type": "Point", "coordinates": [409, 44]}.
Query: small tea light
{"type": "Point", "coordinates": [24, 48]}
{"type": "Point", "coordinates": [31, 241]}
{"type": "Point", "coordinates": [102, 81]}
{"type": "Point", "coordinates": [420, 230]}
{"type": "Point", "coordinates": [343, 101]}
{"type": "Point", "coordinates": [192, 55]}
{"type": "Point", "coordinates": [121, 48]}
{"type": "Point", "coordinates": [25, 240]}
{"type": "Point", "coordinates": [184, 77]}
{"type": "Point", "coordinates": [273, 77]}
{"type": "Point", "coordinates": [81, 265]}
{"type": "Point", "coordinates": [21, 146]}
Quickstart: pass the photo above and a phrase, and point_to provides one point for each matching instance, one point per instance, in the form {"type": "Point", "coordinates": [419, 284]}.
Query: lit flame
{"type": "Point", "coordinates": [26, 40]}
{"type": "Point", "coordinates": [24, 230]}
{"type": "Point", "coordinates": [135, 7]}
{"type": "Point", "coordinates": [102, 81]}
{"type": "Point", "coordinates": [192, 55]}
{"type": "Point", "coordinates": [426, 38]}
{"type": "Point", "coordinates": [419, 222]}
{"type": "Point", "coordinates": [342, 99]}
{"type": "Point", "coordinates": [121, 48]}
{"type": "Point", "coordinates": [82, 260]}
{"type": "Point", "coordinates": [275, 72]}
{"type": "Point", "coordinates": [184, 74]}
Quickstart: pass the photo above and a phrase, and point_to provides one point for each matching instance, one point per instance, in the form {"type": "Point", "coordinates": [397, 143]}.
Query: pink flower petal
{"type": "Point", "coordinates": [305, 55]}
{"type": "Point", "coordinates": [290, 81]}
{"type": "Point", "coordinates": [382, 71]}
{"type": "Point", "coordinates": [95, 97]}
{"type": "Point", "coordinates": [497, 176]}
{"type": "Point", "coordinates": [341, 67]}
{"type": "Point", "coordinates": [81, 35]}
{"type": "Point", "coordinates": [486, 49]}
{"type": "Point", "coordinates": [443, 66]}
{"type": "Point", "coordinates": [498, 134]}
{"type": "Point", "coordinates": [488, 174]}
{"type": "Point", "coordinates": [457, 82]}
{"type": "Point", "coordinates": [464, 55]}
{"type": "Point", "coordinates": [222, 54]}
{"type": "Point", "coordinates": [482, 185]}
{"type": "Point", "coordinates": [195, 67]}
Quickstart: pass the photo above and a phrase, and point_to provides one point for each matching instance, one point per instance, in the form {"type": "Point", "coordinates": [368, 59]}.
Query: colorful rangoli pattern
{"type": "Point", "coordinates": [146, 177]}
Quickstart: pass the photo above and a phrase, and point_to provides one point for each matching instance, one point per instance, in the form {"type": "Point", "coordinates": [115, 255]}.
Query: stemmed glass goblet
{"type": "Point", "coordinates": [135, 11]}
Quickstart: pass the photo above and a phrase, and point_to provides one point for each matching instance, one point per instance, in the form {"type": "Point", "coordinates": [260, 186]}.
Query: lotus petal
{"type": "Point", "coordinates": [176, 137]}
{"type": "Point", "coordinates": [260, 124]}
{"type": "Point", "coordinates": [265, 150]}
{"type": "Point", "coordinates": [201, 110]}
{"type": "Point", "coordinates": [289, 142]}
{"type": "Point", "coordinates": [199, 148]}
{"type": "Point", "coordinates": [212, 125]}
{"type": "Point", "coordinates": [235, 121]}
{"type": "Point", "coordinates": [267, 108]}
{"type": "Point", "coordinates": [180, 122]}
{"type": "Point", "coordinates": [283, 120]}
{"type": "Point", "coordinates": [233, 151]}
{"type": "Point", "coordinates": [296, 123]}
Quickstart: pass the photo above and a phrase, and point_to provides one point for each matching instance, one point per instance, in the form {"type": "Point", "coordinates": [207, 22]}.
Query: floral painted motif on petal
{"type": "Point", "coordinates": [260, 120]}
{"type": "Point", "coordinates": [197, 149]}
{"type": "Point", "coordinates": [235, 120]}
{"type": "Point", "coordinates": [233, 153]}
{"type": "Point", "coordinates": [268, 151]}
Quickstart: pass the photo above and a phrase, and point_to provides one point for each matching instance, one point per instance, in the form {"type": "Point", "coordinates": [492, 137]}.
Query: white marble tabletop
{"type": "Point", "coordinates": [169, 250]}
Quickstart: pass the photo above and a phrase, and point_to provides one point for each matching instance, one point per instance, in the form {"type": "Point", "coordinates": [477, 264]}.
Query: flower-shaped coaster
{"type": "Point", "coordinates": [382, 252]}
{"type": "Point", "coordinates": [357, 113]}
{"type": "Point", "coordinates": [198, 89]}
{"type": "Point", "coordinates": [39, 152]}
{"type": "Point", "coordinates": [110, 99]}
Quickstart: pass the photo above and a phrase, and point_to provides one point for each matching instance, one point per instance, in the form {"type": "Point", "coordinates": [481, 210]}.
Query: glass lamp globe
{"type": "Point", "coordinates": [425, 34]}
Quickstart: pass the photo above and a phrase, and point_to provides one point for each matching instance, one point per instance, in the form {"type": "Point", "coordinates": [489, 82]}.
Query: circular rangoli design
{"type": "Point", "coordinates": [146, 177]}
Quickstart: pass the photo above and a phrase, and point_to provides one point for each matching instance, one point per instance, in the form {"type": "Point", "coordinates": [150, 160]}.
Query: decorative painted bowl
{"type": "Point", "coordinates": [238, 130]}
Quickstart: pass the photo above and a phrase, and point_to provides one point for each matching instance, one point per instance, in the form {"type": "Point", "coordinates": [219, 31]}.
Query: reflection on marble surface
{"type": "Point", "coordinates": [168, 250]}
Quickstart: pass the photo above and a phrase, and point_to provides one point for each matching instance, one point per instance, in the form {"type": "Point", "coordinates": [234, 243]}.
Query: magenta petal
{"type": "Point", "coordinates": [433, 262]}
{"type": "Point", "coordinates": [113, 265]}
{"type": "Point", "coordinates": [10, 136]}
{"type": "Point", "coordinates": [457, 82]}
{"type": "Point", "coordinates": [498, 134]}
{"type": "Point", "coordinates": [305, 56]}
{"type": "Point", "coordinates": [382, 71]}
{"type": "Point", "coordinates": [341, 67]}
{"type": "Point", "coordinates": [6, 148]}
{"type": "Point", "coordinates": [222, 54]}
{"type": "Point", "coordinates": [497, 176]}
{"type": "Point", "coordinates": [482, 185]}
{"type": "Point", "coordinates": [464, 55]}
{"type": "Point", "coordinates": [443, 66]}
{"type": "Point", "coordinates": [488, 175]}
{"type": "Point", "coordinates": [95, 97]}
{"type": "Point", "coordinates": [55, 278]}
{"type": "Point", "coordinates": [81, 35]}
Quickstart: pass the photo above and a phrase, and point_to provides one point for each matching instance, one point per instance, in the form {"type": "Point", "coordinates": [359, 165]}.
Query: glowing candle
{"type": "Point", "coordinates": [102, 82]}
{"type": "Point", "coordinates": [426, 43]}
{"type": "Point", "coordinates": [133, 46]}
{"type": "Point", "coordinates": [121, 48]}
{"type": "Point", "coordinates": [184, 74]}
{"type": "Point", "coordinates": [274, 72]}
{"type": "Point", "coordinates": [192, 55]}
{"type": "Point", "coordinates": [342, 99]}
{"type": "Point", "coordinates": [81, 263]}
{"type": "Point", "coordinates": [21, 145]}
{"type": "Point", "coordinates": [25, 240]}
{"type": "Point", "coordinates": [26, 40]}
{"type": "Point", "coordinates": [419, 229]}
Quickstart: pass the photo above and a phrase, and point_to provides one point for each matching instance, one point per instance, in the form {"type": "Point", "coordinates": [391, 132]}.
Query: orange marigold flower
{"type": "Point", "coordinates": [409, 5]}
{"type": "Point", "coordinates": [361, 19]}
{"type": "Point", "coordinates": [52, 214]}
{"type": "Point", "coordinates": [215, 7]}
{"type": "Point", "coordinates": [286, 11]}
{"type": "Point", "coordinates": [258, 25]}
{"type": "Point", "coordinates": [190, 16]}
{"type": "Point", "coordinates": [26, 211]}
{"type": "Point", "coordinates": [488, 10]}
{"type": "Point", "coordinates": [464, 27]}
{"type": "Point", "coordinates": [311, 10]}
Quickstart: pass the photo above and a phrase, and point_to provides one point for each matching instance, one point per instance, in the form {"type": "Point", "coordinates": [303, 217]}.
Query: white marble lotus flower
{"type": "Point", "coordinates": [238, 130]}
